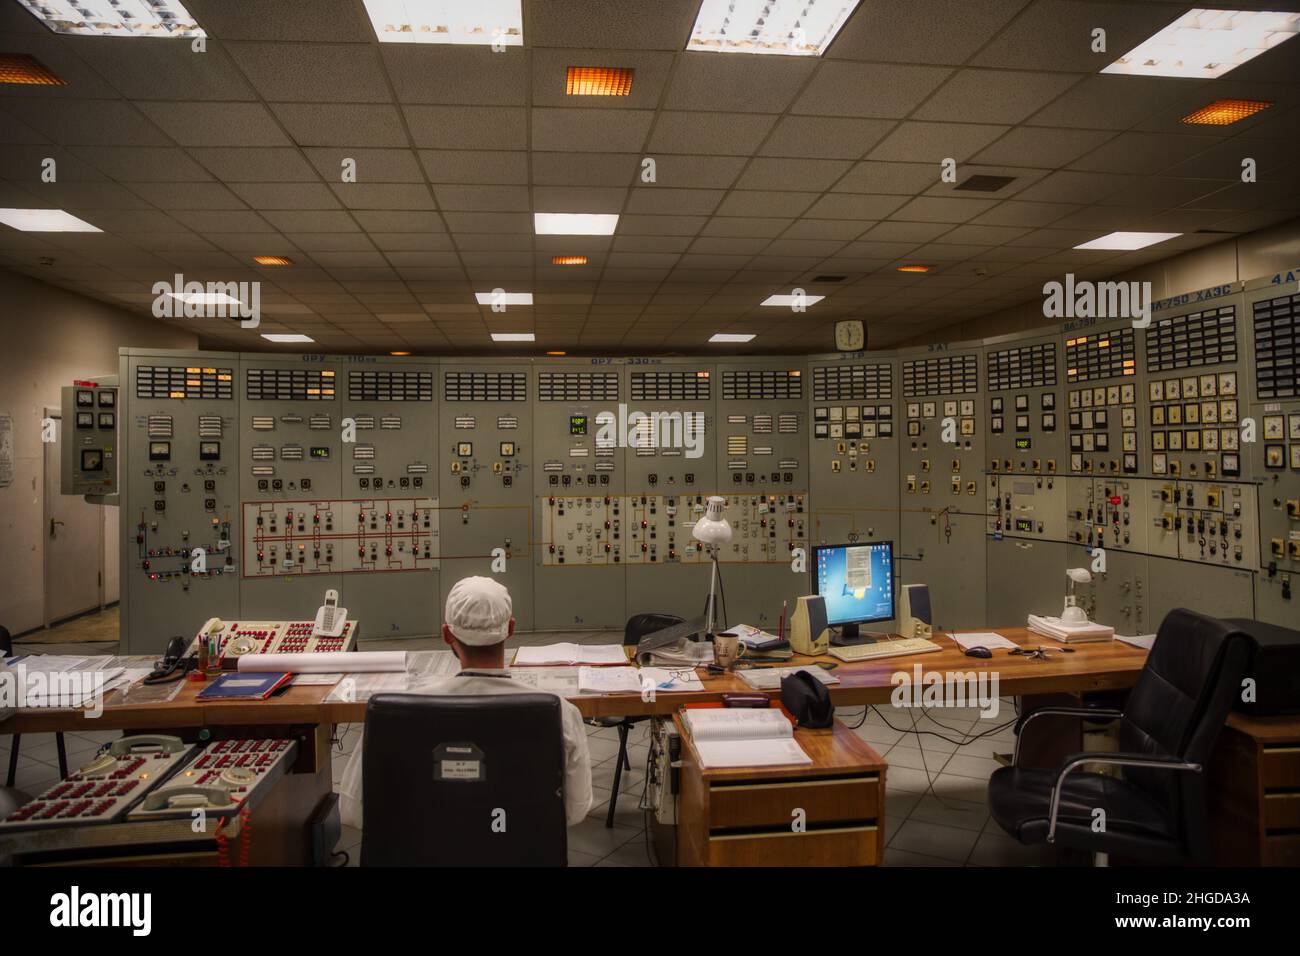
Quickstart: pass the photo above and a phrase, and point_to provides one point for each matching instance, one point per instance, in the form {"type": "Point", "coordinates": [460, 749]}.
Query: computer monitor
{"type": "Point", "coordinates": [857, 583]}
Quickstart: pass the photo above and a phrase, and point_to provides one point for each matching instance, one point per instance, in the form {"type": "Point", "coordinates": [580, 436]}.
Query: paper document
{"type": "Point", "coordinates": [968, 639]}
{"type": "Point", "coordinates": [752, 636]}
{"type": "Point", "coordinates": [562, 681]}
{"type": "Point", "coordinates": [355, 662]}
{"type": "Point", "coordinates": [1144, 641]}
{"type": "Point", "coordinates": [672, 678]}
{"type": "Point", "coordinates": [570, 655]}
{"type": "Point", "coordinates": [769, 678]}
{"type": "Point", "coordinates": [609, 680]}
{"type": "Point", "coordinates": [743, 737]}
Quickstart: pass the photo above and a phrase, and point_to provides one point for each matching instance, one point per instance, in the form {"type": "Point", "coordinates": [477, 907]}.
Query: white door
{"type": "Point", "coordinates": [74, 543]}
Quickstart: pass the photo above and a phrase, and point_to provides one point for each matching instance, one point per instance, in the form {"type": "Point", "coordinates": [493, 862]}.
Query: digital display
{"type": "Point", "coordinates": [1024, 444]}
{"type": "Point", "coordinates": [577, 424]}
{"type": "Point", "coordinates": [856, 580]}
{"type": "Point", "coordinates": [209, 450]}
{"type": "Point", "coordinates": [320, 452]}
{"type": "Point", "coordinates": [92, 459]}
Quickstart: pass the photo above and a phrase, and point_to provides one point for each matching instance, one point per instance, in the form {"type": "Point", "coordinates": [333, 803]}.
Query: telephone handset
{"type": "Point", "coordinates": [164, 742]}
{"type": "Point", "coordinates": [330, 618]}
{"type": "Point", "coordinates": [188, 798]}
{"type": "Point", "coordinates": [172, 666]}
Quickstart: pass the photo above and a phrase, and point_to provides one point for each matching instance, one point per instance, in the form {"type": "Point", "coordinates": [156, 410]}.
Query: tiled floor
{"type": "Point", "coordinates": [936, 810]}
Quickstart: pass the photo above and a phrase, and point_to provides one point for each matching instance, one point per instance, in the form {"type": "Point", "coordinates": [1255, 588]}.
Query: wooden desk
{"type": "Point", "coordinates": [1253, 792]}
{"type": "Point", "coordinates": [745, 816]}
{"type": "Point", "coordinates": [1093, 667]}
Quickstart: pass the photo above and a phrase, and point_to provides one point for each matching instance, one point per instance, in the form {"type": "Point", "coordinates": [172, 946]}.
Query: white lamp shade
{"type": "Point", "coordinates": [711, 528]}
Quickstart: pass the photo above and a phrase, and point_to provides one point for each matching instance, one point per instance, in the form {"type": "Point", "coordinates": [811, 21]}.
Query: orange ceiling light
{"type": "Point", "coordinates": [915, 268]}
{"type": "Point", "coordinates": [599, 81]}
{"type": "Point", "coordinates": [273, 260]}
{"type": "Point", "coordinates": [557, 353]}
{"type": "Point", "coordinates": [1225, 112]}
{"type": "Point", "coordinates": [399, 353]}
{"type": "Point", "coordinates": [19, 68]}
{"type": "Point", "coordinates": [568, 260]}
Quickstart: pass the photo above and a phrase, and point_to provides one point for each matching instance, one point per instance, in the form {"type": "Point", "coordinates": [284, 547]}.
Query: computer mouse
{"type": "Point", "coordinates": [978, 651]}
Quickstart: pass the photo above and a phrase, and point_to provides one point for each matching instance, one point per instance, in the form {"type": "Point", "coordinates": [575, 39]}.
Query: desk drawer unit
{"type": "Point", "coordinates": [834, 846]}
{"type": "Point", "coordinates": [1254, 792]}
{"type": "Point", "coordinates": [769, 803]}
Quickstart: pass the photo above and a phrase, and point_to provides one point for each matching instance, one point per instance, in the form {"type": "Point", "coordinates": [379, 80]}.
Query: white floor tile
{"type": "Point", "coordinates": [932, 839]}
{"type": "Point", "coordinates": [951, 813]}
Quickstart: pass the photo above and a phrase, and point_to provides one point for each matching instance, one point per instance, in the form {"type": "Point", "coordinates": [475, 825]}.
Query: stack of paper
{"type": "Point", "coordinates": [743, 737]}
{"type": "Point", "coordinates": [1059, 630]}
{"type": "Point", "coordinates": [769, 678]}
{"type": "Point", "coordinates": [570, 655]}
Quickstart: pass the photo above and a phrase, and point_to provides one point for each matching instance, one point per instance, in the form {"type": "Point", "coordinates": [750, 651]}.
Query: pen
{"type": "Point", "coordinates": [780, 633]}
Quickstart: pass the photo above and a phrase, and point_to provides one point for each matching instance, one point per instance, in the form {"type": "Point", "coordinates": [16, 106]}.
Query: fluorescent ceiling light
{"type": "Point", "coordinates": [505, 298]}
{"type": "Point", "coordinates": [207, 298]}
{"type": "Point", "coordinates": [1128, 240]}
{"type": "Point", "coordinates": [45, 220]}
{"type": "Point", "coordinates": [731, 337]}
{"type": "Point", "coordinates": [474, 22]}
{"type": "Point", "coordinates": [116, 18]}
{"type": "Point", "coordinates": [574, 223]}
{"type": "Point", "coordinates": [287, 337]}
{"type": "Point", "coordinates": [781, 27]}
{"type": "Point", "coordinates": [513, 337]}
{"type": "Point", "coordinates": [789, 300]}
{"type": "Point", "coordinates": [1204, 44]}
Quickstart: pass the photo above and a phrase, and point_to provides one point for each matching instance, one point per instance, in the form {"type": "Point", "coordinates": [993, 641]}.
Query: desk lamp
{"type": "Point", "coordinates": [713, 531]}
{"type": "Point", "coordinates": [1073, 614]}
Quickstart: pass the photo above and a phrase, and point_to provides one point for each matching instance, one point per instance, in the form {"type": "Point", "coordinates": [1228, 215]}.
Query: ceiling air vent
{"type": "Point", "coordinates": [985, 184]}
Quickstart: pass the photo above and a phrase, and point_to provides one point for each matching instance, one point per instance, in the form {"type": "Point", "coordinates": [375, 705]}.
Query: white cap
{"type": "Point", "coordinates": [478, 612]}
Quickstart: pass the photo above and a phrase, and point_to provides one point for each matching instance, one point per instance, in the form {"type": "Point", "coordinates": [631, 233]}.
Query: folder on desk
{"type": "Point", "coordinates": [237, 685]}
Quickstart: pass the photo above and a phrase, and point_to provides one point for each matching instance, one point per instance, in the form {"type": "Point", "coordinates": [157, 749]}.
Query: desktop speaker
{"type": "Point", "coordinates": [914, 617]}
{"type": "Point", "coordinates": [809, 633]}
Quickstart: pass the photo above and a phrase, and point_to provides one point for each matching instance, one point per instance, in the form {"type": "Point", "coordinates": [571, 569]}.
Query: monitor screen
{"type": "Point", "coordinates": [857, 581]}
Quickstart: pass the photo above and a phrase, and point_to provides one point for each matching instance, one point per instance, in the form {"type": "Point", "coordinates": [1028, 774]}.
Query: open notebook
{"type": "Point", "coordinates": [743, 737]}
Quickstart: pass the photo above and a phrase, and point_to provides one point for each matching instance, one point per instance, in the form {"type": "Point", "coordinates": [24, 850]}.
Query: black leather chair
{"type": "Point", "coordinates": [418, 810]}
{"type": "Point", "coordinates": [638, 626]}
{"type": "Point", "coordinates": [1156, 813]}
{"type": "Point", "coordinates": [7, 650]}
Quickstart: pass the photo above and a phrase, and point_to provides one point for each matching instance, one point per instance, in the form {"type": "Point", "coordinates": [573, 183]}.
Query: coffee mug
{"type": "Point", "coordinates": [727, 649]}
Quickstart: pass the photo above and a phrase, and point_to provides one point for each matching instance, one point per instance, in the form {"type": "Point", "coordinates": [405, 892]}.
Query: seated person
{"type": "Point", "coordinates": [477, 622]}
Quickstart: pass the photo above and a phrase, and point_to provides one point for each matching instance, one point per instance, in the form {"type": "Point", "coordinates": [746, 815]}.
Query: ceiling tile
{"type": "Point", "coordinates": [341, 124]}
{"type": "Point", "coordinates": [362, 195]}
{"type": "Point", "coordinates": [372, 165]}
{"type": "Point", "coordinates": [595, 131]}
{"type": "Point", "coordinates": [765, 204]}
{"type": "Point", "coordinates": [813, 137]}
{"type": "Point", "coordinates": [246, 165]}
{"type": "Point", "coordinates": [731, 134]}
{"type": "Point", "coordinates": [932, 31]}
{"type": "Point", "coordinates": [462, 75]}
{"type": "Point", "coordinates": [299, 20]}
{"type": "Point", "coordinates": [313, 72]}
{"type": "Point", "coordinates": [285, 195]}
{"type": "Point", "coordinates": [792, 174]}
{"type": "Point", "coordinates": [87, 122]}
{"type": "Point", "coordinates": [483, 198]}
{"type": "Point", "coordinates": [1057, 34]}
{"type": "Point", "coordinates": [661, 200]}
{"type": "Point", "coordinates": [584, 169]}
{"type": "Point", "coordinates": [934, 142]}
{"type": "Point", "coordinates": [216, 124]}
{"type": "Point", "coordinates": [841, 88]}
{"type": "Point", "coordinates": [736, 83]}
{"type": "Point", "coordinates": [467, 127]}
{"type": "Point", "coordinates": [1042, 147]}
{"type": "Point", "coordinates": [943, 209]}
{"type": "Point", "coordinates": [613, 24]}
{"type": "Point", "coordinates": [1142, 153]}
{"type": "Point", "coordinates": [993, 96]}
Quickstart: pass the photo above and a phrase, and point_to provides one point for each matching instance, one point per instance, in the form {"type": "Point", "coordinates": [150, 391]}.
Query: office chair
{"type": "Point", "coordinates": [1156, 812]}
{"type": "Point", "coordinates": [463, 781]}
{"type": "Point", "coordinates": [638, 626]}
{"type": "Point", "coordinates": [7, 650]}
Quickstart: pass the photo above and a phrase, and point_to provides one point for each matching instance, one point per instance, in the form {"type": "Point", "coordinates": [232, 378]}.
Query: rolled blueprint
{"type": "Point", "coordinates": [357, 662]}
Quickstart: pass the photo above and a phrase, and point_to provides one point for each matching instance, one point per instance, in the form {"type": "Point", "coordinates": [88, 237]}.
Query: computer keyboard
{"type": "Point", "coordinates": [870, 652]}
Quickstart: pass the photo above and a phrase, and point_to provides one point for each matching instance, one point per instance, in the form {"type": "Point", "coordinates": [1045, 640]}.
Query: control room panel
{"type": "Point", "coordinates": [1166, 456]}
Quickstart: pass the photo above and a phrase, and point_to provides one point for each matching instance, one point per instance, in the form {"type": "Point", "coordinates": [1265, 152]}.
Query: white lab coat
{"type": "Point", "coordinates": [577, 759]}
